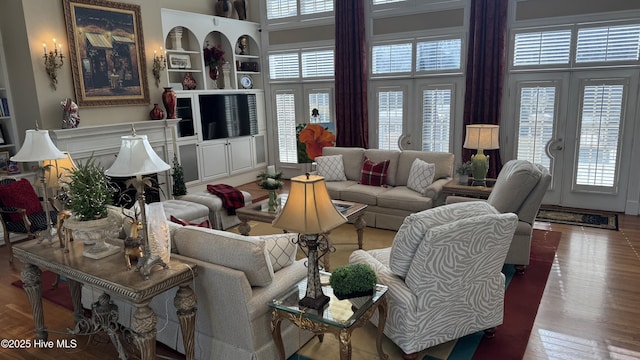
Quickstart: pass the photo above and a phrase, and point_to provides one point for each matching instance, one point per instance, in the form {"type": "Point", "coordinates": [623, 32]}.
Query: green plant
{"type": "Point", "coordinates": [179, 188]}
{"type": "Point", "coordinates": [271, 181]}
{"type": "Point", "coordinates": [464, 168]}
{"type": "Point", "coordinates": [89, 191]}
{"type": "Point", "coordinates": [353, 279]}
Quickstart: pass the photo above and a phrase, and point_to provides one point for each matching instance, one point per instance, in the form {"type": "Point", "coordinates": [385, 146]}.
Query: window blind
{"type": "Point", "coordinates": [393, 58]}
{"type": "Point", "coordinates": [286, 120]}
{"type": "Point", "coordinates": [438, 55]}
{"type": "Point", "coordinates": [315, 6]}
{"type": "Point", "coordinates": [436, 119]}
{"type": "Point", "coordinates": [536, 117]}
{"type": "Point", "coordinates": [320, 101]}
{"type": "Point", "coordinates": [614, 43]}
{"type": "Point", "coordinates": [284, 66]}
{"type": "Point", "coordinates": [317, 63]}
{"type": "Point", "coordinates": [390, 113]}
{"type": "Point", "coordinates": [281, 8]}
{"type": "Point", "coordinates": [542, 48]}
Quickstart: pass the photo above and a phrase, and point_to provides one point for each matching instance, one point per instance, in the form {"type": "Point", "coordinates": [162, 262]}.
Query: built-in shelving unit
{"type": "Point", "coordinates": [9, 140]}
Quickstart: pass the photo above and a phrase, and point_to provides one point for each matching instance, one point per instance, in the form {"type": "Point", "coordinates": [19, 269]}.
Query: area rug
{"type": "Point", "coordinates": [59, 295]}
{"type": "Point", "coordinates": [590, 218]}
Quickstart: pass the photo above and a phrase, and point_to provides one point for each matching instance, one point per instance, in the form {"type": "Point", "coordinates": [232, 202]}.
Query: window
{"type": "Point", "coordinates": [320, 100]}
{"type": "Point", "coordinates": [542, 48]}
{"type": "Point", "coordinates": [600, 122]}
{"type": "Point", "coordinates": [615, 43]}
{"type": "Point", "coordinates": [286, 120]}
{"type": "Point", "coordinates": [438, 55]}
{"type": "Point", "coordinates": [537, 111]}
{"type": "Point", "coordinates": [277, 9]}
{"type": "Point", "coordinates": [394, 58]}
{"type": "Point", "coordinates": [436, 119]}
{"type": "Point", "coordinates": [317, 63]}
{"type": "Point", "coordinates": [284, 66]}
{"type": "Point", "coordinates": [390, 114]}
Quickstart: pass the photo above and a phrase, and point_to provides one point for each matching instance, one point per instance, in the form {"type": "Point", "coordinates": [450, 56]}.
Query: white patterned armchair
{"type": "Point", "coordinates": [444, 274]}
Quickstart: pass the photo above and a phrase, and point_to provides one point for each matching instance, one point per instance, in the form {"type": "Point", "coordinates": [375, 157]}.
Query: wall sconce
{"type": "Point", "coordinates": [159, 64]}
{"type": "Point", "coordinates": [53, 62]}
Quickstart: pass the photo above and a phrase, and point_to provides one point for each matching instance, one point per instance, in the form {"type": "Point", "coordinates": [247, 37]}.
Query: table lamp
{"type": "Point", "coordinates": [38, 147]}
{"type": "Point", "coordinates": [137, 158]}
{"type": "Point", "coordinates": [310, 212]}
{"type": "Point", "coordinates": [481, 137]}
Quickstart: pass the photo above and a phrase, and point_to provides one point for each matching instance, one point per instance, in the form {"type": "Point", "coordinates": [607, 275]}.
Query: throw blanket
{"type": "Point", "coordinates": [231, 197]}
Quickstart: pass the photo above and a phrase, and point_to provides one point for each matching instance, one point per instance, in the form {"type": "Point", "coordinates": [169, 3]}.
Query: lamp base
{"type": "Point", "coordinates": [479, 168]}
{"type": "Point", "coordinates": [314, 303]}
{"type": "Point", "coordinates": [145, 264]}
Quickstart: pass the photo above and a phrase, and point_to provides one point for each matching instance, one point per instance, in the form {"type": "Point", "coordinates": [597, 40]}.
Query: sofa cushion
{"type": "Point", "coordinates": [364, 194]}
{"type": "Point", "coordinates": [377, 155]}
{"type": "Point", "coordinates": [415, 226]}
{"type": "Point", "coordinates": [335, 188]}
{"type": "Point", "coordinates": [20, 194]}
{"type": "Point", "coordinates": [244, 253]}
{"type": "Point", "coordinates": [443, 162]}
{"type": "Point", "coordinates": [403, 198]}
{"type": "Point", "coordinates": [374, 174]}
{"type": "Point", "coordinates": [420, 176]}
{"type": "Point", "coordinates": [352, 158]}
{"type": "Point", "coordinates": [331, 167]}
{"type": "Point", "coordinates": [281, 248]}
{"type": "Point", "coordinates": [515, 181]}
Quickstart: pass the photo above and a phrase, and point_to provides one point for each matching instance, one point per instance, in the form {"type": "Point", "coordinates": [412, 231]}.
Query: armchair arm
{"type": "Point", "coordinates": [456, 199]}
{"type": "Point", "coordinates": [434, 191]}
{"type": "Point", "coordinates": [8, 211]}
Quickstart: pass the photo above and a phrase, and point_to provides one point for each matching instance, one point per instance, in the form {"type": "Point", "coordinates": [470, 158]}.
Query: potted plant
{"type": "Point", "coordinates": [353, 281]}
{"type": "Point", "coordinates": [463, 172]}
{"type": "Point", "coordinates": [271, 181]}
{"type": "Point", "coordinates": [179, 187]}
{"type": "Point", "coordinates": [89, 195]}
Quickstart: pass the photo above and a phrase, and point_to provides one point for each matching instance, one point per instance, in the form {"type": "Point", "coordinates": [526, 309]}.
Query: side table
{"type": "Point", "coordinates": [338, 317]}
{"type": "Point", "coordinates": [453, 188]}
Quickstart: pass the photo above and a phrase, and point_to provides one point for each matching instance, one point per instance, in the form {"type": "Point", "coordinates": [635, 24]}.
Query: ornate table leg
{"type": "Point", "coordinates": [76, 299]}
{"type": "Point", "coordinates": [276, 321]}
{"type": "Point", "coordinates": [382, 319]}
{"type": "Point", "coordinates": [244, 228]}
{"type": "Point", "coordinates": [345, 344]}
{"type": "Point", "coordinates": [186, 306]}
{"type": "Point", "coordinates": [144, 330]}
{"type": "Point", "coordinates": [360, 224]}
{"type": "Point", "coordinates": [33, 287]}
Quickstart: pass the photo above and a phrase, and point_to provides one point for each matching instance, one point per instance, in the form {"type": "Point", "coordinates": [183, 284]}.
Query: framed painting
{"type": "Point", "coordinates": [179, 61]}
{"type": "Point", "coordinates": [106, 51]}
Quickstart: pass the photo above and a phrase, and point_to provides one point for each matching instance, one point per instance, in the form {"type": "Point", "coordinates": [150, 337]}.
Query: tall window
{"type": "Point", "coordinates": [537, 111]}
{"type": "Point", "coordinates": [436, 119]}
{"type": "Point", "coordinates": [390, 115]}
{"type": "Point", "coordinates": [286, 120]}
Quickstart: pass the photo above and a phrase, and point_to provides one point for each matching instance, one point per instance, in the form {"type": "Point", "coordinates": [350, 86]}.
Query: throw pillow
{"type": "Point", "coordinates": [374, 174]}
{"type": "Point", "coordinates": [281, 249]}
{"type": "Point", "coordinates": [421, 176]}
{"type": "Point", "coordinates": [331, 167]}
{"type": "Point", "coordinates": [204, 224]}
{"type": "Point", "coordinates": [20, 194]}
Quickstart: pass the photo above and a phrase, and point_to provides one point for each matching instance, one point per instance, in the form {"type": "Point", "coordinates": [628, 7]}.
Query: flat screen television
{"type": "Point", "coordinates": [228, 115]}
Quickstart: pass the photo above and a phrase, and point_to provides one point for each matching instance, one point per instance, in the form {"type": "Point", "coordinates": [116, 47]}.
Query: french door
{"type": "Point", "coordinates": [579, 125]}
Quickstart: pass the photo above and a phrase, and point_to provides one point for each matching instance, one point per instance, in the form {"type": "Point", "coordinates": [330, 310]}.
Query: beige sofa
{"type": "Point", "coordinates": [235, 282]}
{"type": "Point", "coordinates": [388, 206]}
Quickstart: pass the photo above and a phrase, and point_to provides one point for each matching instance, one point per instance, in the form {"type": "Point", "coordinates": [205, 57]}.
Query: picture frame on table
{"type": "Point", "coordinates": [179, 61]}
{"type": "Point", "coordinates": [106, 52]}
{"type": "Point", "coordinates": [4, 162]}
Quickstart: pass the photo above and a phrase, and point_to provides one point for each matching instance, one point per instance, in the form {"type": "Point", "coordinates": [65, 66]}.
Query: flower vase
{"type": "Point", "coordinates": [273, 201]}
{"type": "Point", "coordinates": [156, 113]}
{"type": "Point", "coordinates": [188, 82]}
{"type": "Point", "coordinates": [214, 72]}
{"type": "Point", "coordinates": [169, 101]}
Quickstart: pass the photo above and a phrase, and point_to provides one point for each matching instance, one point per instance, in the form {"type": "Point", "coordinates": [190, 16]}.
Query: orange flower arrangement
{"type": "Point", "coordinates": [315, 137]}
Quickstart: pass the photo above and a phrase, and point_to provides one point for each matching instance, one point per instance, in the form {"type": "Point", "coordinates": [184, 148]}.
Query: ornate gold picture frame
{"type": "Point", "coordinates": [106, 51]}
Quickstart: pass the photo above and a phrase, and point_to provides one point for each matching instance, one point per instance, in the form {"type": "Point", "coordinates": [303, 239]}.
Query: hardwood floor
{"type": "Point", "coordinates": [590, 308]}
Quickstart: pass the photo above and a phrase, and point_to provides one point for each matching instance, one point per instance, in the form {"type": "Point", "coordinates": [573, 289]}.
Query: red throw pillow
{"type": "Point", "coordinates": [374, 173]}
{"type": "Point", "coordinates": [204, 224]}
{"type": "Point", "coordinates": [20, 194]}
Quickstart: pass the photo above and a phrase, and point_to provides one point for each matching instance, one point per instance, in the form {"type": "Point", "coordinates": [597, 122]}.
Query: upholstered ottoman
{"type": "Point", "coordinates": [185, 210]}
{"type": "Point", "coordinates": [218, 215]}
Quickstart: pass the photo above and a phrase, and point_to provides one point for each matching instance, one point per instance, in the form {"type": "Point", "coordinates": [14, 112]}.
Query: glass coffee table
{"type": "Point", "coordinates": [354, 212]}
{"type": "Point", "coordinates": [339, 317]}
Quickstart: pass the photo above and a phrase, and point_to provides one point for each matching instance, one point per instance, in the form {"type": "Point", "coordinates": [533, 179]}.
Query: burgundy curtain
{"type": "Point", "coordinates": [485, 71]}
{"type": "Point", "coordinates": [352, 128]}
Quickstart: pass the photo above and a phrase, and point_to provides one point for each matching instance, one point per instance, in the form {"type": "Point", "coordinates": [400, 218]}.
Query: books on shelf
{"type": "Point", "coordinates": [4, 107]}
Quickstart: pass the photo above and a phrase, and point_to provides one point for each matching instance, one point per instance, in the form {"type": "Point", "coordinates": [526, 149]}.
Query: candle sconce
{"type": "Point", "coordinates": [53, 60]}
{"type": "Point", "coordinates": [159, 64]}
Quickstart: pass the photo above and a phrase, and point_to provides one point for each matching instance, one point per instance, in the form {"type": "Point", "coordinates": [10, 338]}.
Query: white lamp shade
{"type": "Point", "coordinates": [482, 136]}
{"type": "Point", "coordinates": [37, 146]}
{"type": "Point", "coordinates": [309, 209]}
{"type": "Point", "coordinates": [136, 157]}
{"type": "Point", "coordinates": [59, 170]}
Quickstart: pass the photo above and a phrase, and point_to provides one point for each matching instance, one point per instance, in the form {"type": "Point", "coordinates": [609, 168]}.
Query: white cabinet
{"type": "Point", "coordinates": [220, 158]}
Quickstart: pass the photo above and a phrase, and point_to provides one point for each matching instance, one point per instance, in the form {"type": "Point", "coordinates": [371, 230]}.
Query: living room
{"type": "Point", "coordinates": [26, 25]}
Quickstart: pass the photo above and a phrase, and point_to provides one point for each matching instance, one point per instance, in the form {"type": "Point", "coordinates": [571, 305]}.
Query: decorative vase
{"type": "Point", "coordinates": [241, 9]}
{"type": "Point", "coordinates": [94, 232]}
{"type": "Point", "coordinates": [169, 101]}
{"type": "Point", "coordinates": [224, 8]}
{"type": "Point", "coordinates": [273, 201]}
{"type": "Point", "coordinates": [188, 83]}
{"type": "Point", "coordinates": [156, 113]}
{"type": "Point", "coordinates": [214, 72]}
